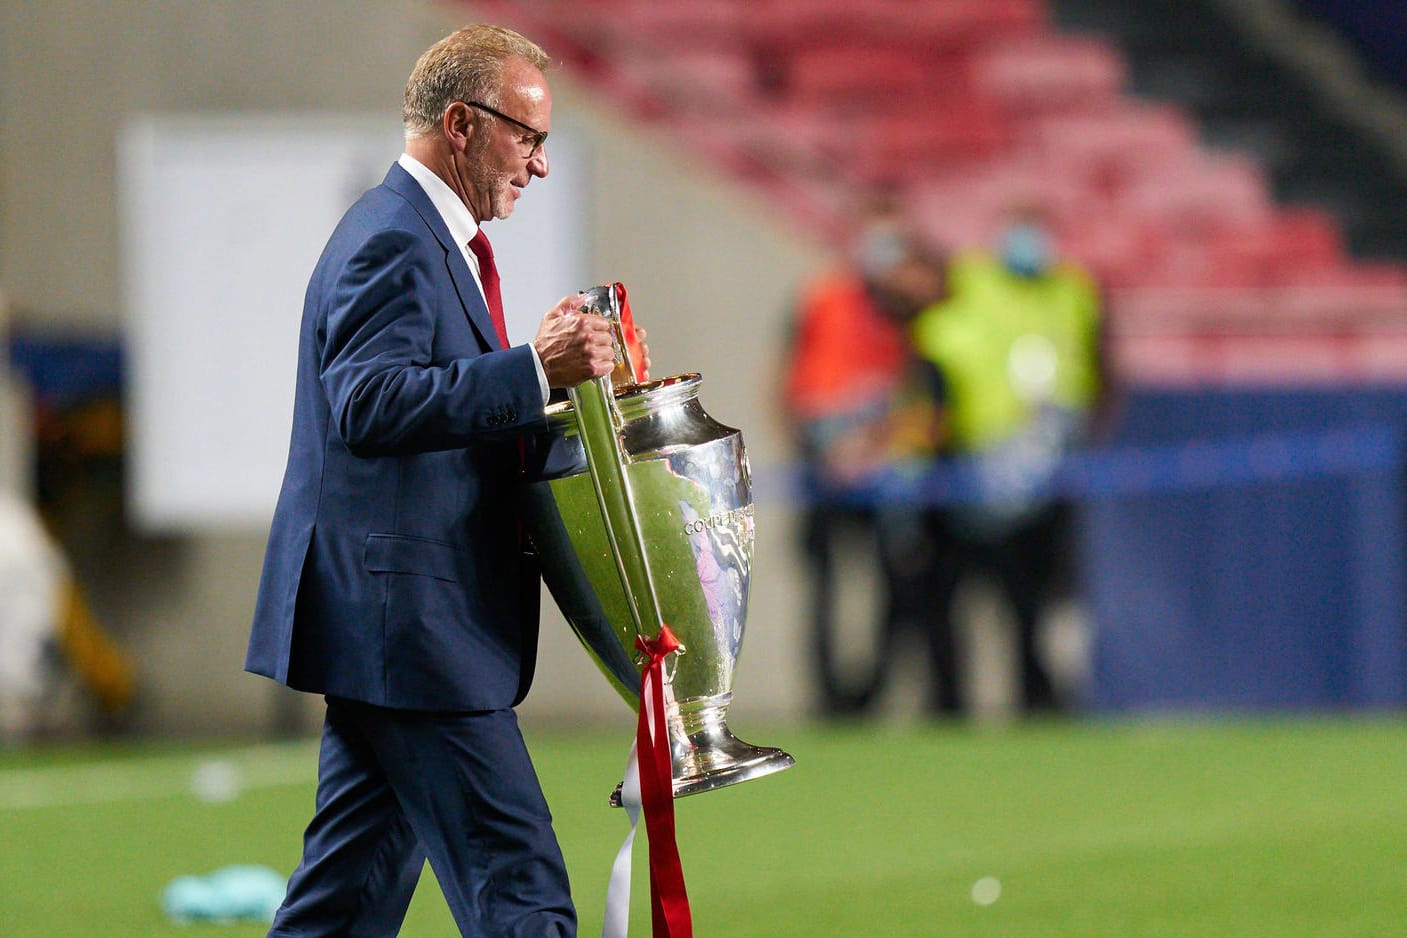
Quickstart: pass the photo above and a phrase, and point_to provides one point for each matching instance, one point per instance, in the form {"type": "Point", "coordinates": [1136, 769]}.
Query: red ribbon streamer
{"type": "Point", "coordinates": [669, 902]}
{"type": "Point", "coordinates": [627, 328]}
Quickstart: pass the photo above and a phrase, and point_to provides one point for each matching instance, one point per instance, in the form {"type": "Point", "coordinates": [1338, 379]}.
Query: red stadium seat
{"type": "Point", "coordinates": [1048, 72]}
{"type": "Point", "coordinates": [694, 81]}
{"type": "Point", "coordinates": [1304, 242]}
{"type": "Point", "coordinates": [1350, 301]}
{"type": "Point", "coordinates": [1110, 147]}
{"type": "Point", "coordinates": [841, 76]}
{"type": "Point", "coordinates": [1199, 194]}
{"type": "Point", "coordinates": [894, 149]}
{"type": "Point", "coordinates": [960, 23]}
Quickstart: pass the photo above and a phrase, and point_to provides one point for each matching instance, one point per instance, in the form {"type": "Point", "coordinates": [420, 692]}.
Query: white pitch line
{"type": "Point", "coordinates": [145, 777]}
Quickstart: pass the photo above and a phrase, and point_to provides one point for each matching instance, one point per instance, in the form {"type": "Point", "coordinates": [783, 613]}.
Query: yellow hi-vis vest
{"type": "Point", "coordinates": [1008, 346]}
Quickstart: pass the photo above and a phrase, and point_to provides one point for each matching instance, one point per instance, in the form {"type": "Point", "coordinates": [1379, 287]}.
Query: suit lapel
{"type": "Point", "coordinates": [470, 297]}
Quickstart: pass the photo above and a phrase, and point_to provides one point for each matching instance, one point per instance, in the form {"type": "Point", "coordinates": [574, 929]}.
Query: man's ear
{"type": "Point", "coordinates": [459, 124]}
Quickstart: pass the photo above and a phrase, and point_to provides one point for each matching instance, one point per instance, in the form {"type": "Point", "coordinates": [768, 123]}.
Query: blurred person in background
{"type": "Point", "coordinates": [49, 639]}
{"type": "Point", "coordinates": [396, 582]}
{"type": "Point", "coordinates": [859, 413]}
{"type": "Point", "coordinates": [50, 643]}
{"type": "Point", "coordinates": [1018, 366]}
{"type": "Point", "coordinates": [31, 581]}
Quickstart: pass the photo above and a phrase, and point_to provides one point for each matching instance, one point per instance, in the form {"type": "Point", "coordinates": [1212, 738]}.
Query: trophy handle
{"type": "Point", "coordinates": [597, 422]}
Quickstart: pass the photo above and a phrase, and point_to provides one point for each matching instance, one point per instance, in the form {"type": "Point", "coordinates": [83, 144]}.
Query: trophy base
{"type": "Point", "coordinates": [715, 758]}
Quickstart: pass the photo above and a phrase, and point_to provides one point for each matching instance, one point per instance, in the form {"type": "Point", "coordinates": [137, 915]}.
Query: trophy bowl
{"type": "Point", "coordinates": [661, 533]}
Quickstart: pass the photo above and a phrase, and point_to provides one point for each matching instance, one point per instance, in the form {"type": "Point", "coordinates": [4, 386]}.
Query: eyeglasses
{"type": "Point", "coordinates": [536, 137]}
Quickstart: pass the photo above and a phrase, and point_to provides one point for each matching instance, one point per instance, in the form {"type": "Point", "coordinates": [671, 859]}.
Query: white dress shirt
{"type": "Point", "coordinates": [462, 227]}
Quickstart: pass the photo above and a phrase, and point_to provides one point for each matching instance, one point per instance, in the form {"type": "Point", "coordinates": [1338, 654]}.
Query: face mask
{"type": "Point", "coordinates": [880, 250]}
{"type": "Point", "coordinates": [1025, 250]}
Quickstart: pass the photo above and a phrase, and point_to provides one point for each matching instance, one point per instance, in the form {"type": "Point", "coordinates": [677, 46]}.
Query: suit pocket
{"type": "Point", "coordinates": [398, 553]}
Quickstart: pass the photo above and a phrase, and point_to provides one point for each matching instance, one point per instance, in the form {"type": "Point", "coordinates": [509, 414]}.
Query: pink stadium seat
{"type": "Point", "coordinates": [777, 144]}
{"type": "Point", "coordinates": [1304, 358]}
{"type": "Point", "coordinates": [697, 23]}
{"type": "Point", "coordinates": [1195, 359]}
{"type": "Point", "coordinates": [794, 25]}
{"type": "Point", "coordinates": [1346, 302]}
{"type": "Point", "coordinates": [1198, 310]}
{"type": "Point", "coordinates": [953, 225]}
{"type": "Point", "coordinates": [1045, 72]}
{"type": "Point", "coordinates": [904, 148]}
{"type": "Point", "coordinates": [1304, 242]}
{"type": "Point", "coordinates": [1119, 252]}
{"type": "Point", "coordinates": [949, 23]}
{"type": "Point", "coordinates": [1065, 199]}
{"type": "Point", "coordinates": [621, 24]}
{"type": "Point", "coordinates": [694, 81]}
{"type": "Point", "coordinates": [1379, 357]}
{"type": "Point", "coordinates": [1199, 194]}
{"type": "Point", "coordinates": [838, 76]}
{"type": "Point", "coordinates": [934, 25]}
{"type": "Point", "coordinates": [1110, 147]}
{"type": "Point", "coordinates": [991, 190]}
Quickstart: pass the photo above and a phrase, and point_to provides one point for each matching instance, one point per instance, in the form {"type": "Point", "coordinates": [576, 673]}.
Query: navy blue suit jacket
{"type": "Point", "coordinates": [394, 573]}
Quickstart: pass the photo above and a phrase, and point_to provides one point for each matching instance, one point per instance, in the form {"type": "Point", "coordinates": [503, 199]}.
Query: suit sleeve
{"type": "Point", "coordinates": [387, 394]}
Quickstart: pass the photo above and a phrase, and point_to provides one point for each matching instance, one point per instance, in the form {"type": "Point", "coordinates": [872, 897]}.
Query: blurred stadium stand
{"type": "Point", "coordinates": [1237, 216]}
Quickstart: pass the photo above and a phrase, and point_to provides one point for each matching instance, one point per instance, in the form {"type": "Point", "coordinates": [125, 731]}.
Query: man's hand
{"type": "Point", "coordinates": [574, 346]}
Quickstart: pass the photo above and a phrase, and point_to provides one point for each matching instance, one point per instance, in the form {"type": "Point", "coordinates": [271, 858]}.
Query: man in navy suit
{"type": "Point", "coordinates": [397, 582]}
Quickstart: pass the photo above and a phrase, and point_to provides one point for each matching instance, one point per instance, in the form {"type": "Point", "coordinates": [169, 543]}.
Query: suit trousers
{"type": "Point", "coordinates": [398, 787]}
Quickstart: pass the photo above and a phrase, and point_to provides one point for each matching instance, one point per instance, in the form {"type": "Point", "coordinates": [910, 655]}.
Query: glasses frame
{"type": "Point", "coordinates": [539, 137]}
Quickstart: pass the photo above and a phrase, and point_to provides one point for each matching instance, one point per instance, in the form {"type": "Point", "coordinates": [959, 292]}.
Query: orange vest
{"type": "Point", "coordinates": [845, 353]}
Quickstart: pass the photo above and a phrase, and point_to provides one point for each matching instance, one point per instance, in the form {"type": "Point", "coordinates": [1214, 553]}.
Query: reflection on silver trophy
{"type": "Point", "coordinates": [645, 518]}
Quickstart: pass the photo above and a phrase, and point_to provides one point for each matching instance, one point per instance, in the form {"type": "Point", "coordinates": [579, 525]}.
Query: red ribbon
{"type": "Point", "coordinates": [669, 902]}
{"type": "Point", "coordinates": [632, 340]}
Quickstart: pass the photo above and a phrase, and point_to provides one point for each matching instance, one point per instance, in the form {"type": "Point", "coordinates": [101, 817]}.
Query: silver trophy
{"type": "Point", "coordinates": [643, 516]}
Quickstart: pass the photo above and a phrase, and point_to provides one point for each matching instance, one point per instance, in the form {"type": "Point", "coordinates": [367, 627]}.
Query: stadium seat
{"type": "Point", "coordinates": [696, 81]}
{"type": "Point", "coordinates": [1199, 194]}
{"type": "Point", "coordinates": [1304, 242]}
{"type": "Point", "coordinates": [1344, 303]}
{"type": "Point", "coordinates": [841, 76]}
{"type": "Point", "coordinates": [901, 148]}
{"type": "Point", "coordinates": [1175, 310]}
{"type": "Point", "coordinates": [1110, 147]}
{"type": "Point", "coordinates": [1048, 72]}
{"type": "Point", "coordinates": [959, 23]}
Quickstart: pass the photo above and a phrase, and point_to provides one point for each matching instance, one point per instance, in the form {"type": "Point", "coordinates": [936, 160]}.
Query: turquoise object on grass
{"type": "Point", "coordinates": [230, 894]}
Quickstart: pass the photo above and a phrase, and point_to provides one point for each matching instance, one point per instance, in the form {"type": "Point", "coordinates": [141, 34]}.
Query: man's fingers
{"type": "Point", "coordinates": [566, 306]}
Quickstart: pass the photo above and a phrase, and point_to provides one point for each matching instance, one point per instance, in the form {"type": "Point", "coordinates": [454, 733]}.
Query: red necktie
{"type": "Point", "coordinates": [488, 275]}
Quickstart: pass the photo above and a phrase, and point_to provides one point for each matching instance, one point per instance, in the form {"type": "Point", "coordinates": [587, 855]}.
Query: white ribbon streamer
{"type": "Point", "coordinates": [617, 921]}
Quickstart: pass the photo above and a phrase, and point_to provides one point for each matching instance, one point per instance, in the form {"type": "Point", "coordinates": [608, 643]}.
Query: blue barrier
{"type": "Point", "coordinates": [1237, 549]}
{"type": "Point", "coordinates": [1114, 471]}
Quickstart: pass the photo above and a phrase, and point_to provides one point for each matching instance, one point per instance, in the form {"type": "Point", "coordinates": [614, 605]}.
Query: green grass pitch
{"type": "Point", "coordinates": [1159, 829]}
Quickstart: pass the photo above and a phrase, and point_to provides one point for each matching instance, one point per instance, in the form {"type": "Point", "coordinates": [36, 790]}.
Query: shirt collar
{"type": "Point", "coordinates": [452, 209]}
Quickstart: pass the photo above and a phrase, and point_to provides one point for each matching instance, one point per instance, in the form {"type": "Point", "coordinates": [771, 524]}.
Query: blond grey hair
{"type": "Point", "coordinates": [466, 65]}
